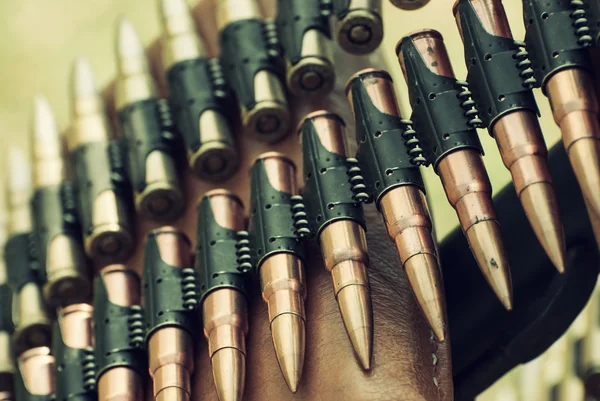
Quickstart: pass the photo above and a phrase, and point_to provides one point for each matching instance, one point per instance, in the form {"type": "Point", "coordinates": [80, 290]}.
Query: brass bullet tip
{"type": "Point", "coordinates": [44, 124]}
{"type": "Point", "coordinates": [584, 155]}
{"type": "Point", "coordinates": [357, 314]}
{"type": "Point", "coordinates": [488, 248]}
{"type": "Point", "coordinates": [288, 331]}
{"type": "Point", "coordinates": [539, 203]}
{"type": "Point", "coordinates": [229, 373]}
{"type": "Point", "coordinates": [425, 280]}
{"type": "Point", "coordinates": [128, 41]}
{"type": "Point", "coordinates": [82, 79]}
{"type": "Point", "coordinates": [19, 170]}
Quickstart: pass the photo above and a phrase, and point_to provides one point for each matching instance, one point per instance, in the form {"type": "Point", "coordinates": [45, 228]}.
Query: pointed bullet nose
{"type": "Point", "coordinates": [426, 282]}
{"type": "Point", "coordinates": [128, 41]}
{"type": "Point", "coordinates": [539, 203]}
{"type": "Point", "coordinates": [357, 314]}
{"type": "Point", "coordinates": [487, 246]}
{"type": "Point", "coordinates": [584, 155]}
{"type": "Point", "coordinates": [82, 78]}
{"type": "Point", "coordinates": [288, 331]}
{"type": "Point", "coordinates": [229, 373]}
{"type": "Point", "coordinates": [19, 170]}
{"type": "Point", "coordinates": [44, 124]}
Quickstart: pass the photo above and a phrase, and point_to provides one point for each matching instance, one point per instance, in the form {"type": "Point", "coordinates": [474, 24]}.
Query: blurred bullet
{"type": "Point", "coordinates": [358, 25]}
{"type": "Point", "coordinates": [35, 375]}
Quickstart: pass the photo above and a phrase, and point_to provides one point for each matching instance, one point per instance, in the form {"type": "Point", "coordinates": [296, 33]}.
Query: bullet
{"type": "Point", "coordinates": [35, 375]}
{"type": "Point", "coordinates": [29, 313]}
{"type": "Point", "coordinates": [222, 263]}
{"type": "Point", "coordinates": [55, 221]}
{"type": "Point", "coordinates": [303, 27]}
{"type": "Point", "coordinates": [7, 366]}
{"type": "Point", "coordinates": [251, 56]}
{"type": "Point", "coordinates": [72, 343]}
{"type": "Point", "coordinates": [387, 170]}
{"type": "Point", "coordinates": [204, 110]}
{"type": "Point", "coordinates": [445, 120]}
{"type": "Point", "coordinates": [147, 125]}
{"type": "Point", "coordinates": [358, 25]}
{"type": "Point", "coordinates": [121, 362]}
{"type": "Point", "coordinates": [562, 67]}
{"type": "Point", "coordinates": [170, 299]}
{"type": "Point", "coordinates": [278, 253]}
{"type": "Point", "coordinates": [409, 4]}
{"type": "Point", "coordinates": [335, 216]}
{"type": "Point", "coordinates": [99, 165]}
{"type": "Point", "coordinates": [503, 89]}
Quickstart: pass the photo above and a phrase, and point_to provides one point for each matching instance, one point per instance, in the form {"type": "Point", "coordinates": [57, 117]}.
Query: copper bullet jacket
{"type": "Point", "coordinates": [359, 28]}
{"type": "Point", "coordinates": [283, 286]}
{"type": "Point", "coordinates": [225, 316]}
{"type": "Point", "coordinates": [171, 363]}
{"type": "Point", "coordinates": [120, 384]}
{"type": "Point", "coordinates": [37, 370]}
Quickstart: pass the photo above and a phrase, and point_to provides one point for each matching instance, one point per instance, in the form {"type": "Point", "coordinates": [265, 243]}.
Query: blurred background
{"type": "Point", "coordinates": [41, 39]}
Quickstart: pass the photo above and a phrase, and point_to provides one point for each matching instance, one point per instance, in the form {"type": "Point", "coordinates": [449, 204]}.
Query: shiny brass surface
{"type": "Point", "coordinates": [217, 158]}
{"type": "Point", "coordinates": [162, 199]}
{"type": "Point", "coordinates": [122, 285]}
{"type": "Point", "coordinates": [360, 31]}
{"type": "Point", "coordinates": [575, 110]}
{"type": "Point", "coordinates": [314, 74]}
{"type": "Point", "coordinates": [120, 384]}
{"type": "Point", "coordinates": [269, 119]}
{"type": "Point", "coordinates": [330, 129]}
{"type": "Point", "coordinates": [344, 249]}
{"type": "Point", "coordinates": [408, 224]}
{"type": "Point", "coordinates": [283, 288]}
{"type": "Point", "coordinates": [491, 14]}
{"type": "Point", "coordinates": [225, 317]}
{"type": "Point", "coordinates": [6, 355]}
{"type": "Point", "coordinates": [6, 396]}
{"type": "Point", "coordinates": [110, 237]}
{"type": "Point", "coordinates": [227, 209]}
{"type": "Point", "coordinates": [76, 325]}
{"type": "Point", "coordinates": [230, 11]}
{"type": "Point", "coordinates": [409, 4]}
{"type": "Point", "coordinates": [171, 363]}
{"type": "Point", "coordinates": [524, 153]}
{"type": "Point", "coordinates": [31, 321]}
{"type": "Point", "coordinates": [37, 370]}
{"type": "Point", "coordinates": [281, 171]}
{"type": "Point", "coordinates": [180, 40]}
{"type": "Point", "coordinates": [469, 191]}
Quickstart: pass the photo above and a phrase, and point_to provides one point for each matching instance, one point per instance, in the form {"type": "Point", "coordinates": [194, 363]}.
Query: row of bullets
{"type": "Point", "coordinates": [46, 260]}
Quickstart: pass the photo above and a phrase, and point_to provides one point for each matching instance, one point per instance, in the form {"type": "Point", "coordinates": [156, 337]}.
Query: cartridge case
{"type": "Point", "coordinates": [252, 66]}
{"type": "Point", "coordinates": [303, 28]}
{"type": "Point", "coordinates": [34, 380]}
{"type": "Point", "coordinates": [276, 220]}
{"type": "Point", "coordinates": [170, 297]}
{"type": "Point", "coordinates": [121, 361]}
{"type": "Point", "coordinates": [389, 153]}
{"type": "Point", "coordinates": [445, 117]}
{"type": "Point", "coordinates": [203, 107]}
{"type": "Point", "coordinates": [104, 193]}
{"type": "Point", "coordinates": [358, 26]}
{"type": "Point", "coordinates": [72, 347]}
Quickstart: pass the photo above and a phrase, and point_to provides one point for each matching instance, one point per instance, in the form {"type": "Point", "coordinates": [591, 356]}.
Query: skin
{"type": "Point", "coordinates": [403, 359]}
